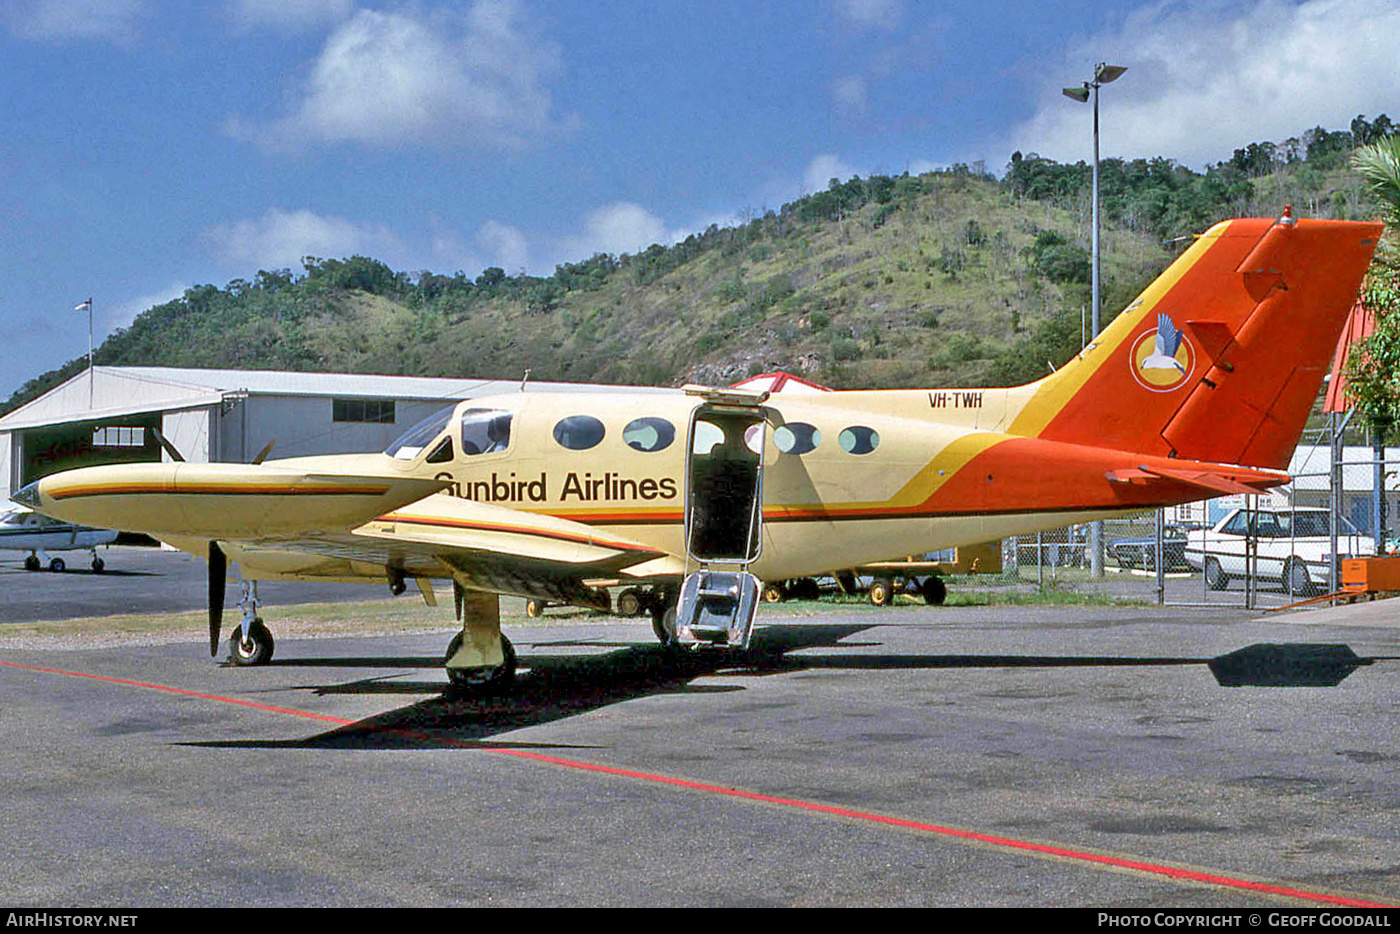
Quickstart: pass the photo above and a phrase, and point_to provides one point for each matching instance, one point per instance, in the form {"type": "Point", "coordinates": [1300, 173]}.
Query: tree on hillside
{"type": "Point", "coordinates": [1373, 368]}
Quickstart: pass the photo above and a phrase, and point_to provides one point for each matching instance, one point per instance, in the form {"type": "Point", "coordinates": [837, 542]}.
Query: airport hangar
{"type": "Point", "coordinates": [101, 416]}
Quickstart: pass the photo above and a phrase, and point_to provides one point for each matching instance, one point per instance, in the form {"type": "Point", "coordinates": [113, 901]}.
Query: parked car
{"type": "Point", "coordinates": [1141, 552]}
{"type": "Point", "coordinates": [1293, 547]}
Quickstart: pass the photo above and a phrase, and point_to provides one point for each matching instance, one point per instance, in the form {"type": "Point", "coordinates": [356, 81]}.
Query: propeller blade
{"type": "Point", "coordinates": [218, 568]}
{"type": "Point", "coordinates": [262, 455]}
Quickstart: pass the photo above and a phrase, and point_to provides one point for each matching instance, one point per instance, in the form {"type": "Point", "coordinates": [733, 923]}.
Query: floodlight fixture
{"type": "Point", "coordinates": [1103, 74]}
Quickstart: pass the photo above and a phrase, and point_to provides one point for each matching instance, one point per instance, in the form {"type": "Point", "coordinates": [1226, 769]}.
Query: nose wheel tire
{"type": "Point", "coordinates": [258, 648]}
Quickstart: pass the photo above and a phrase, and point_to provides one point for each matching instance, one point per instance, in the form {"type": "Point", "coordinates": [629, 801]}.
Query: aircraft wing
{"type": "Point", "coordinates": [483, 546]}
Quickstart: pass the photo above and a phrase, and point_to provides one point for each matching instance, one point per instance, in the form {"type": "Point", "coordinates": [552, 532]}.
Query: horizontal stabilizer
{"type": "Point", "coordinates": [1246, 482]}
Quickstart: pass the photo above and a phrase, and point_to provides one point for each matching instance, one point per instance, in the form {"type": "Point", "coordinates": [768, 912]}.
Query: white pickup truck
{"type": "Point", "coordinates": [1294, 547]}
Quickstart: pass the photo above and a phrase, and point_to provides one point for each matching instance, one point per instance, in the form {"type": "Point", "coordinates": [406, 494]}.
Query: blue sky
{"type": "Point", "coordinates": [150, 145]}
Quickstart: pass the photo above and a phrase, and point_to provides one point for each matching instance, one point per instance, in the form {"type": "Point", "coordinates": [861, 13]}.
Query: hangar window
{"type": "Point", "coordinates": [579, 432]}
{"type": "Point", "coordinates": [485, 431]}
{"type": "Point", "coordinates": [372, 411]}
{"type": "Point", "coordinates": [649, 434]}
{"type": "Point", "coordinates": [859, 440]}
{"type": "Point", "coordinates": [119, 436]}
{"type": "Point", "coordinates": [797, 438]}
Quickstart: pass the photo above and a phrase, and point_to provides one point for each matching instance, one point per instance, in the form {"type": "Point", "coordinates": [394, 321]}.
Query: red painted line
{"type": "Point", "coordinates": [813, 807]}
{"type": "Point", "coordinates": [169, 690]}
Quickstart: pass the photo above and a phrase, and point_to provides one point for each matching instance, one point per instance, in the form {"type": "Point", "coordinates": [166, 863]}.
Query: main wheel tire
{"type": "Point", "coordinates": [774, 592]}
{"type": "Point", "coordinates": [257, 650]}
{"type": "Point", "coordinates": [487, 680]}
{"type": "Point", "coordinates": [881, 592]}
{"type": "Point", "coordinates": [58, 565]}
{"type": "Point", "coordinates": [846, 580]}
{"type": "Point", "coordinates": [1216, 578]}
{"type": "Point", "coordinates": [32, 563]}
{"type": "Point", "coordinates": [663, 621]}
{"type": "Point", "coordinates": [934, 590]}
{"type": "Point", "coordinates": [533, 608]}
{"type": "Point", "coordinates": [629, 603]}
{"type": "Point", "coordinates": [98, 565]}
{"type": "Point", "coordinates": [804, 588]}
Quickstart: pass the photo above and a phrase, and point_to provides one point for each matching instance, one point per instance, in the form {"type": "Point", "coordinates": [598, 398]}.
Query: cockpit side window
{"type": "Point", "coordinates": [412, 442]}
{"type": "Point", "coordinates": [442, 454]}
{"type": "Point", "coordinates": [485, 431]}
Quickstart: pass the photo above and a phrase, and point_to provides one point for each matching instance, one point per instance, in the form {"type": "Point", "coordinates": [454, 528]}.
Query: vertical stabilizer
{"type": "Point", "coordinates": [1221, 358]}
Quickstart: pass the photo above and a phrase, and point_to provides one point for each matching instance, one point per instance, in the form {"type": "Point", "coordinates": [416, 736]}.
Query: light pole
{"type": "Point", "coordinates": [1103, 74]}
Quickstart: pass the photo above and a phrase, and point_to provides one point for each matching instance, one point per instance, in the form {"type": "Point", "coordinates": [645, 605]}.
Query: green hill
{"type": "Point", "coordinates": [948, 278]}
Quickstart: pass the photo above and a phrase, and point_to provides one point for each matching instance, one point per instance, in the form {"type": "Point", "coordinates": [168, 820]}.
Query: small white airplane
{"type": "Point", "coordinates": [38, 534]}
{"type": "Point", "coordinates": [698, 495]}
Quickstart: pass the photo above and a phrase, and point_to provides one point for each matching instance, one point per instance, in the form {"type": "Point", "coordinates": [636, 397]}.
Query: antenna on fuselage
{"type": "Point", "coordinates": [524, 379]}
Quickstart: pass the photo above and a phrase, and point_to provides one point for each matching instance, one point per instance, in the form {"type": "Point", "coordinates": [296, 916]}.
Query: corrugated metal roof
{"type": "Point", "coordinates": [128, 390]}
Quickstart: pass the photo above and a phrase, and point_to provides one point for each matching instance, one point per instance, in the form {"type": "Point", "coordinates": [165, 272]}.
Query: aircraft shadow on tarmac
{"type": "Point", "coordinates": [554, 687]}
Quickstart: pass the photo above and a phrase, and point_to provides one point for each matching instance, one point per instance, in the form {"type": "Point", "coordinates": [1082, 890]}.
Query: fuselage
{"type": "Point", "coordinates": [846, 478]}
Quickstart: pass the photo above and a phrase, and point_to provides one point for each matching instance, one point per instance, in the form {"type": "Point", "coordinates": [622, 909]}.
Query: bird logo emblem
{"type": "Point", "coordinates": [1162, 358]}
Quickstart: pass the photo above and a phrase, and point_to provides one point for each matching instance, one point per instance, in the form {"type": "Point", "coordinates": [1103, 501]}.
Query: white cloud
{"type": "Point", "coordinates": [474, 78]}
{"type": "Point", "coordinates": [850, 95]}
{"type": "Point", "coordinates": [505, 246]}
{"type": "Point", "coordinates": [871, 14]}
{"type": "Point", "coordinates": [123, 313]}
{"type": "Point", "coordinates": [1205, 78]}
{"type": "Point", "coordinates": [821, 170]}
{"type": "Point", "coordinates": [287, 15]}
{"type": "Point", "coordinates": [76, 20]}
{"type": "Point", "coordinates": [279, 239]}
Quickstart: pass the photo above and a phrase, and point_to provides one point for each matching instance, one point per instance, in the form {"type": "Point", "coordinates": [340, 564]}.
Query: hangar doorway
{"type": "Point", "coordinates": [51, 448]}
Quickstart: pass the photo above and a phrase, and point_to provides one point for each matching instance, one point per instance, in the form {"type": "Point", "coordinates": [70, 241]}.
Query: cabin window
{"type": "Point", "coordinates": [649, 434]}
{"type": "Point", "coordinates": [412, 442]}
{"type": "Point", "coordinates": [579, 432]}
{"type": "Point", "coordinates": [485, 431]}
{"type": "Point", "coordinates": [859, 440]}
{"type": "Point", "coordinates": [797, 438]}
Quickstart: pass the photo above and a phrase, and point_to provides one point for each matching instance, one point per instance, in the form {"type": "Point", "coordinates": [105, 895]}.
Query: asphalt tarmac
{"type": "Point", "coordinates": [906, 756]}
{"type": "Point", "coordinates": [140, 580]}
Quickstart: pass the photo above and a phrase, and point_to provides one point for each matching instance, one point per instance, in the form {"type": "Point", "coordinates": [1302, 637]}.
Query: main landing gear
{"type": "Point", "coordinates": [38, 559]}
{"type": "Point", "coordinates": [479, 659]}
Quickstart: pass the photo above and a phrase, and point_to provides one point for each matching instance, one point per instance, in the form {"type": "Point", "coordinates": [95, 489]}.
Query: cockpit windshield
{"type": "Point", "coordinates": [411, 443]}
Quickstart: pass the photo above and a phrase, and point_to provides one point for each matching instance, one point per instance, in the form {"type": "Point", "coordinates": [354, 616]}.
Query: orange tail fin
{"type": "Point", "coordinates": [1221, 358]}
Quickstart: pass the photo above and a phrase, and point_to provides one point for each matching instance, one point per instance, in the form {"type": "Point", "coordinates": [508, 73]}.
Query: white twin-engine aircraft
{"type": "Point", "coordinates": [38, 534]}
{"type": "Point", "coordinates": [1200, 387]}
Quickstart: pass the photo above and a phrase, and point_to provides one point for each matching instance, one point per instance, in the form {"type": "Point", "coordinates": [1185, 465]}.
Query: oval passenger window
{"type": "Point", "coordinates": [578, 432]}
{"type": "Point", "coordinates": [797, 438]}
{"type": "Point", "coordinates": [649, 434]}
{"type": "Point", "coordinates": [859, 440]}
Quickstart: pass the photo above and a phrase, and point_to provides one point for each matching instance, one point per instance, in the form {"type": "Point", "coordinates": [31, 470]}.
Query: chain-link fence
{"type": "Point", "coordinates": [1270, 550]}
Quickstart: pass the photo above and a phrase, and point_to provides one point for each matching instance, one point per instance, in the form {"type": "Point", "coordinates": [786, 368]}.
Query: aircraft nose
{"type": "Point", "coordinates": [27, 495]}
